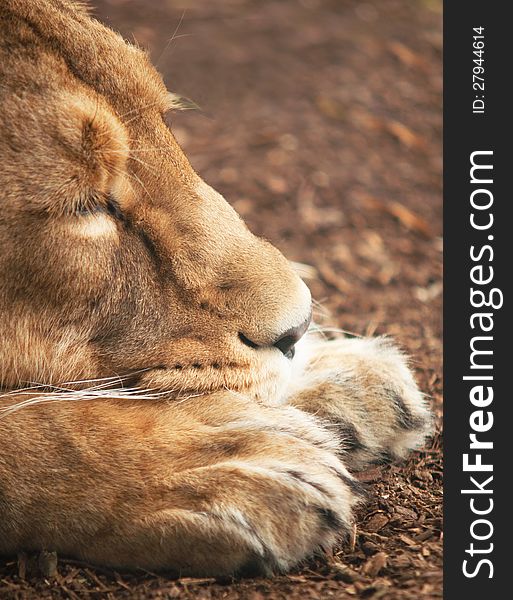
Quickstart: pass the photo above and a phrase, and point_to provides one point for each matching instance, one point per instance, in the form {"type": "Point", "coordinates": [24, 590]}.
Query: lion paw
{"type": "Point", "coordinates": [253, 515]}
{"type": "Point", "coordinates": [364, 390]}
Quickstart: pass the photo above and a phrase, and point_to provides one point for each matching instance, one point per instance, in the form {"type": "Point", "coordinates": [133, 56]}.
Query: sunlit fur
{"type": "Point", "coordinates": [138, 427]}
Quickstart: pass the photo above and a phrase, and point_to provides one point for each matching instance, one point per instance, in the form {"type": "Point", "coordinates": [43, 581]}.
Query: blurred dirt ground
{"type": "Point", "coordinates": [321, 124]}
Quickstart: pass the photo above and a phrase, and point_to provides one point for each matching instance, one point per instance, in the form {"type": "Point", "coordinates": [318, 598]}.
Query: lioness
{"type": "Point", "coordinates": [161, 406]}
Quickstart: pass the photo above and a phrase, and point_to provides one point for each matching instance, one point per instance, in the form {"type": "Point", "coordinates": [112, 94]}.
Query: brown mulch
{"type": "Point", "coordinates": [320, 122]}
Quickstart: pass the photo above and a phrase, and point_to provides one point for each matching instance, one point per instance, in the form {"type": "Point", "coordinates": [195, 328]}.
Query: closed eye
{"type": "Point", "coordinates": [106, 205]}
{"type": "Point", "coordinates": [114, 209]}
{"type": "Point", "coordinates": [109, 205]}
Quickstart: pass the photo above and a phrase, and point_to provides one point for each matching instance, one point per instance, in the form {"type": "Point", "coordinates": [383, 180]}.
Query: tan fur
{"type": "Point", "coordinates": [137, 428]}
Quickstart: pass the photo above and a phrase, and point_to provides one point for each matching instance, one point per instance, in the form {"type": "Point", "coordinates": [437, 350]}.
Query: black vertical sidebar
{"type": "Point", "coordinates": [478, 128]}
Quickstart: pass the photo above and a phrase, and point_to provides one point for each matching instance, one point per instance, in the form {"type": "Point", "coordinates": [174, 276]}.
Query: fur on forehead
{"type": "Point", "coordinates": [93, 53]}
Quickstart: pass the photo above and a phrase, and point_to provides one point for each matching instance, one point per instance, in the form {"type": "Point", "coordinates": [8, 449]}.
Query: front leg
{"type": "Point", "coordinates": [212, 485]}
{"type": "Point", "coordinates": [364, 389]}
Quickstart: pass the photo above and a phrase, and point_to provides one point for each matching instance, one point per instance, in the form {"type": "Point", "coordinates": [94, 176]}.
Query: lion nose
{"type": "Point", "coordinates": [286, 342]}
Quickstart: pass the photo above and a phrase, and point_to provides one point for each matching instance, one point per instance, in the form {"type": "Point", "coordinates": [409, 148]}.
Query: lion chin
{"type": "Point", "coordinates": [162, 404]}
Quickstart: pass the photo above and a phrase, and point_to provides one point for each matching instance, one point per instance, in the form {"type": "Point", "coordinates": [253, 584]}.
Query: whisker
{"type": "Point", "coordinates": [317, 329]}
{"type": "Point", "coordinates": [139, 110]}
{"type": "Point", "coordinates": [146, 149]}
{"type": "Point", "coordinates": [137, 179]}
{"type": "Point", "coordinates": [172, 38]}
{"type": "Point", "coordinates": [130, 156]}
{"type": "Point", "coordinates": [110, 378]}
{"type": "Point", "coordinates": [83, 395]}
{"type": "Point", "coordinates": [144, 164]}
{"type": "Point", "coordinates": [21, 390]}
{"type": "Point", "coordinates": [320, 309]}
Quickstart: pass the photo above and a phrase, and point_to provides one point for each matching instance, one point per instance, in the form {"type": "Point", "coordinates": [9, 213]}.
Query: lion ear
{"type": "Point", "coordinates": [96, 147]}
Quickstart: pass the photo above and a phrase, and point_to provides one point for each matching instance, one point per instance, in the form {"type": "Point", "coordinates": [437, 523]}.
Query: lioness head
{"type": "Point", "coordinates": [116, 258]}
